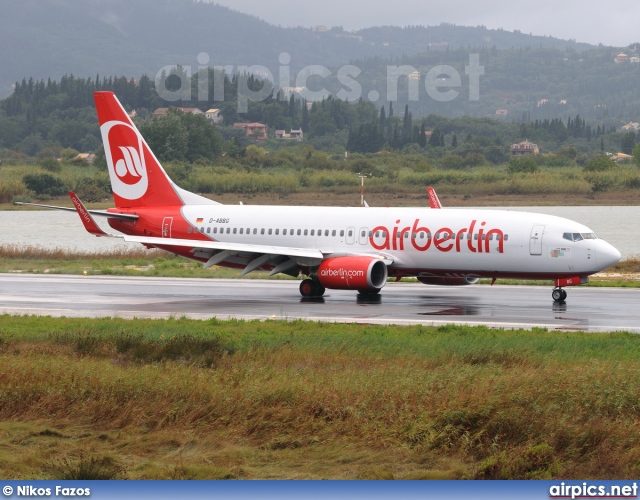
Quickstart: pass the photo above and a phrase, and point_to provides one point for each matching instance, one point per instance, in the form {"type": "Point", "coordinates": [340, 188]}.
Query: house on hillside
{"type": "Point", "coordinates": [524, 148]}
{"type": "Point", "coordinates": [621, 157]}
{"type": "Point", "coordinates": [621, 58]}
{"type": "Point", "coordinates": [257, 131]}
{"type": "Point", "coordinates": [293, 135]}
{"type": "Point", "coordinates": [163, 111]}
{"type": "Point", "coordinates": [214, 115]}
{"type": "Point", "coordinates": [631, 126]}
{"type": "Point", "coordinates": [86, 157]}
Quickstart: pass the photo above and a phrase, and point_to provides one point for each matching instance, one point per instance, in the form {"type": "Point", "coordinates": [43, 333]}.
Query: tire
{"type": "Point", "coordinates": [307, 288]}
{"type": "Point", "coordinates": [558, 295]}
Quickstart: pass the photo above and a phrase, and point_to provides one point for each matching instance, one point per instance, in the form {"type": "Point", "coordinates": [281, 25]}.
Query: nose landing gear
{"type": "Point", "coordinates": [559, 295]}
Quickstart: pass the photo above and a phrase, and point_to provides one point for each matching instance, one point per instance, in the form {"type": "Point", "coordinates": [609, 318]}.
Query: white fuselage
{"type": "Point", "coordinates": [419, 241]}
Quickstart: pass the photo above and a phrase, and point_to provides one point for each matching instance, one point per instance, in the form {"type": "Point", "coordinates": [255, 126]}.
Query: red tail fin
{"type": "Point", "coordinates": [137, 178]}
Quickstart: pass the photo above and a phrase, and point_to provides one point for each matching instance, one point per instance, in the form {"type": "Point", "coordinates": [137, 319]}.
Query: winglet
{"type": "Point", "coordinates": [434, 202]}
{"type": "Point", "coordinates": [88, 221]}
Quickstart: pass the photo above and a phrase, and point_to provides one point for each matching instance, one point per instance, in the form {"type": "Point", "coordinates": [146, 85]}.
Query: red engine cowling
{"type": "Point", "coordinates": [352, 273]}
{"type": "Point", "coordinates": [436, 280]}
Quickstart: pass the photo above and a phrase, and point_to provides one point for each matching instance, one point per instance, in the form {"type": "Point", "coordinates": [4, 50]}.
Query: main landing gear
{"type": "Point", "coordinates": [311, 288]}
{"type": "Point", "coordinates": [559, 295]}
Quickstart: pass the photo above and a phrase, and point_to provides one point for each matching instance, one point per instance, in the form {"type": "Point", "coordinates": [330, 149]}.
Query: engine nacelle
{"type": "Point", "coordinates": [352, 273]}
{"type": "Point", "coordinates": [436, 280]}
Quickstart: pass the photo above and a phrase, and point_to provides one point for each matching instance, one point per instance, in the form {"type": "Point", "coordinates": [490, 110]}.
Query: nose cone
{"type": "Point", "coordinates": [607, 255]}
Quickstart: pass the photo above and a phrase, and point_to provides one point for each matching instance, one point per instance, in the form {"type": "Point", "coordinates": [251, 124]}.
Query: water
{"type": "Point", "coordinates": [620, 226]}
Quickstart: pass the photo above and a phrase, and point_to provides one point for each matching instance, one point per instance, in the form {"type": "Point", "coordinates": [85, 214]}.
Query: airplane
{"type": "Point", "coordinates": [351, 248]}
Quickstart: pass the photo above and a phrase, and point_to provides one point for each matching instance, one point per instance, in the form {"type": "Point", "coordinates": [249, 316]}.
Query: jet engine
{"type": "Point", "coordinates": [366, 274]}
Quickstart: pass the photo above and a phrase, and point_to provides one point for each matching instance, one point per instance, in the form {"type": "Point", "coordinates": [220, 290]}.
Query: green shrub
{"type": "Point", "coordinates": [600, 164]}
{"type": "Point", "coordinates": [522, 164]}
{"type": "Point", "coordinates": [45, 184]}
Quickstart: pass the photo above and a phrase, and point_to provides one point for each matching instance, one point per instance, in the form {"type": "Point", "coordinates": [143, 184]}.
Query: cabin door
{"type": "Point", "coordinates": [166, 227]}
{"type": "Point", "coordinates": [535, 241]}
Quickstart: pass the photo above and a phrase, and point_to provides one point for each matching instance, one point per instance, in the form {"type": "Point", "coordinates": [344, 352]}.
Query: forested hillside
{"type": "Point", "coordinates": [132, 37]}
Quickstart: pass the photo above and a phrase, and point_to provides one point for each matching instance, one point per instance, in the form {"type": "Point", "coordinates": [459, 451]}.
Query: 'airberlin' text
{"type": "Point", "coordinates": [444, 239]}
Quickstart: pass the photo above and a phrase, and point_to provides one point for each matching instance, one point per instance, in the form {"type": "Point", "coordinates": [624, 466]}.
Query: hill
{"type": "Point", "coordinates": [134, 37]}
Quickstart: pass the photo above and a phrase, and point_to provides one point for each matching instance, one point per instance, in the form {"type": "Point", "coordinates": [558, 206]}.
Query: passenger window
{"type": "Point", "coordinates": [506, 237]}
{"type": "Point", "coordinates": [299, 232]}
{"type": "Point", "coordinates": [277, 232]}
{"type": "Point", "coordinates": [208, 230]}
{"type": "Point", "coordinates": [270, 231]}
{"type": "Point", "coordinates": [262, 231]}
{"type": "Point", "coordinates": [189, 229]}
{"type": "Point", "coordinates": [313, 232]}
{"type": "Point", "coordinates": [241, 230]}
{"type": "Point", "coordinates": [475, 237]}
{"type": "Point", "coordinates": [235, 230]}
{"type": "Point", "coordinates": [333, 233]}
{"type": "Point", "coordinates": [342, 232]}
{"type": "Point", "coordinates": [364, 234]}
{"type": "Point", "coordinates": [228, 230]}
{"type": "Point", "coordinates": [350, 233]}
{"type": "Point", "coordinates": [284, 232]}
{"type": "Point", "coordinates": [306, 231]}
{"type": "Point", "coordinates": [255, 230]}
{"type": "Point", "coordinates": [215, 230]}
{"type": "Point", "coordinates": [326, 232]}
{"type": "Point", "coordinates": [406, 234]}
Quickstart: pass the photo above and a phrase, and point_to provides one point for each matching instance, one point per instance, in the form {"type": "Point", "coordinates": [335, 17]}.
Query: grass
{"type": "Point", "coordinates": [187, 399]}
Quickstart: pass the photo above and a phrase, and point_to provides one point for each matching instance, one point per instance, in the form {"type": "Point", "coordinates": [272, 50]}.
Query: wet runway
{"type": "Point", "coordinates": [589, 309]}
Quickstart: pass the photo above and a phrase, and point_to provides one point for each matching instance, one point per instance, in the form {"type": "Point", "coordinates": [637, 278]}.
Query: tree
{"type": "Point", "coordinates": [422, 137]}
{"type": "Point", "coordinates": [636, 154]}
{"type": "Point", "coordinates": [600, 164]}
{"type": "Point", "coordinates": [628, 143]}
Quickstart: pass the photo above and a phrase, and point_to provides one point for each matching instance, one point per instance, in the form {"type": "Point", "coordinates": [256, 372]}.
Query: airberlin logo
{"type": "Point", "coordinates": [130, 165]}
{"type": "Point", "coordinates": [125, 158]}
{"type": "Point", "coordinates": [476, 238]}
{"type": "Point", "coordinates": [341, 273]}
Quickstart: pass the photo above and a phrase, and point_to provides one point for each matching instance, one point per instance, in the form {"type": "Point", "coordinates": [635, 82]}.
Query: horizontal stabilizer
{"type": "Point", "coordinates": [99, 213]}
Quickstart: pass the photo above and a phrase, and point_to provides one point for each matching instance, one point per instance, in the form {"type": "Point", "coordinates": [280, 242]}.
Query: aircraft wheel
{"type": "Point", "coordinates": [311, 288]}
{"type": "Point", "coordinates": [307, 288]}
{"type": "Point", "coordinates": [375, 291]}
{"type": "Point", "coordinates": [558, 295]}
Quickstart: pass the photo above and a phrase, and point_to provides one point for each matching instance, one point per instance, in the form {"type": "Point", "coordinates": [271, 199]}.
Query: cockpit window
{"type": "Point", "coordinates": [579, 236]}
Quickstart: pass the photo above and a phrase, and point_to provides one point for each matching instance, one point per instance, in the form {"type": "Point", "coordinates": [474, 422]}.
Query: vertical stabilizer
{"type": "Point", "coordinates": [137, 178]}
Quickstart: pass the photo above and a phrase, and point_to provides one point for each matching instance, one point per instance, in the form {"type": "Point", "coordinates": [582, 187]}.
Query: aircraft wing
{"type": "Point", "coordinates": [219, 245]}
{"type": "Point", "coordinates": [284, 258]}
